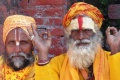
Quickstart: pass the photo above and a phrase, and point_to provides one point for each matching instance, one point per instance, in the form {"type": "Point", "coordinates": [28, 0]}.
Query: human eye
{"type": "Point", "coordinates": [11, 43]}
{"type": "Point", "coordinates": [23, 42]}
{"type": "Point", "coordinates": [88, 31]}
{"type": "Point", "coordinates": [74, 31]}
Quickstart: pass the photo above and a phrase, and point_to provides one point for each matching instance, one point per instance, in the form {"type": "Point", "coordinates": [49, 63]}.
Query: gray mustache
{"type": "Point", "coordinates": [83, 41]}
{"type": "Point", "coordinates": [18, 54]}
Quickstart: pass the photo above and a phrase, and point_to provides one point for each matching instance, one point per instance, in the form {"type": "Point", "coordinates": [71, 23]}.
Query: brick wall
{"type": "Point", "coordinates": [47, 13]}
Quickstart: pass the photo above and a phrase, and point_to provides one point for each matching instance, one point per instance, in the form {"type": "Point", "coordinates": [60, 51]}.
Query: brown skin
{"type": "Point", "coordinates": [25, 43]}
{"type": "Point", "coordinates": [42, 44]}
{"type": "Point", "coordinates": [82, 34]}
{"type": "Point", "coordinates": [113, 39]}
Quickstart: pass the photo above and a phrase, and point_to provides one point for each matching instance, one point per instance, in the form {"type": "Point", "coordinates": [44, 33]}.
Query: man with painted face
{"type": "Point", "coordinates": [85, 59]}
{"type": "Point", "coordinates": [19, 62]}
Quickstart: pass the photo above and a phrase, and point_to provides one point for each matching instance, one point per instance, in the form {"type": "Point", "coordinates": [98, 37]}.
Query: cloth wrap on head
{"type": "Point", "coordinates": [82, 8]}
{"type": "Point", "coordinates": [15, 21]}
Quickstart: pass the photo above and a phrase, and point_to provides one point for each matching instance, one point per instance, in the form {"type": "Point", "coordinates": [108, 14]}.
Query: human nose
{"type": "Point", "coordinates": [17, 49]}
{"type": "Point", "coordinates": [81, 35]}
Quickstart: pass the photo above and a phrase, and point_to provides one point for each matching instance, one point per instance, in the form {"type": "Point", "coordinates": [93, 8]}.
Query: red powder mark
{"type": "Point", "coordinates": [80, 22]}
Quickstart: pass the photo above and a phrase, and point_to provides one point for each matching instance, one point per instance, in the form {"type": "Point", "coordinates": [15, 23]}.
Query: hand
{"type": "Point", "coordinates": [42, 44]}
{"type": "Point", "coordinates": [113, 39]}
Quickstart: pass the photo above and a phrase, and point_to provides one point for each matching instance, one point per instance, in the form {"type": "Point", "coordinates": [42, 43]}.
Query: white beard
{"type": "Point", "coordinates": [83, 56]}
{"type": "Point", "coordinates": [18, 62]}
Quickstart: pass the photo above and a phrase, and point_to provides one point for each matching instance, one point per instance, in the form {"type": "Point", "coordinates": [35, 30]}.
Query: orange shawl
{"type": "Point", "coordinates": [100, 68]}
{"type": "Point", "coordinates": [6, 73]}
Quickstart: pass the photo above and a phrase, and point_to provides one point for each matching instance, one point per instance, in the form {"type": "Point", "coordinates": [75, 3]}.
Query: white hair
{"type": "Point", "coordinates": [83, 56]}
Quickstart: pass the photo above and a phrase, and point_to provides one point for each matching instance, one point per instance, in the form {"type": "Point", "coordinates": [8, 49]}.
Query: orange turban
{"type": "Point", "coordinates": [16, 21]}
{"type": "Point", "coordinates": [82, 8]}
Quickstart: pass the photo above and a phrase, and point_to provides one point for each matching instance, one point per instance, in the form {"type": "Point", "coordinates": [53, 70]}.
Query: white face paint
{"type": "Point", "coordinates": [17, 41]}
{"type": "Point", "coordinates": [88, 23]}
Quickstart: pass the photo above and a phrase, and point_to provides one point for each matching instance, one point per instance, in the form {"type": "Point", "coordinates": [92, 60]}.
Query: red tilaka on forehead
{"type": "Point", "coordinates": [80, 22]}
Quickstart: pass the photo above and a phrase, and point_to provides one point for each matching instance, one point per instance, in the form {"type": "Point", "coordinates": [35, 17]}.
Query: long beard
{"type": "Point", "coordinates": [18, 61]}
{"type": "Point", "coordinates": [83, 56]}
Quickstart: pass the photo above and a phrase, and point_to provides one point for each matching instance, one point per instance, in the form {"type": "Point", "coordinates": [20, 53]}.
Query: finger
{"type": "Point", "coordinates": [49, 39]}
{"type": "Point", "coordinates": [30, 33]}
{"type": "Point", "coordinates": [107, 31]}
{"type": "Point", "coordinates": [42, 34]}
{"type": "Point", "coordinates": [34, 31]}
{"type": "Point", "coordinates": [114, 30]}
{"type": "Point", "coordinates": [49, 35]}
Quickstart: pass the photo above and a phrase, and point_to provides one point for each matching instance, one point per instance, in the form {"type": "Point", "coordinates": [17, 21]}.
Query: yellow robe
{"type": "Point", "coordinates": [6, 73]}
{"type": "Point", "coordinates": [105, 67]}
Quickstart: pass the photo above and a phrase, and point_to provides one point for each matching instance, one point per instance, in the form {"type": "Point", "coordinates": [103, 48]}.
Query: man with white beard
{"type": "Point", "coordinates": [85, 59]}
{"type": "Point", "coordinates": [82, 50]}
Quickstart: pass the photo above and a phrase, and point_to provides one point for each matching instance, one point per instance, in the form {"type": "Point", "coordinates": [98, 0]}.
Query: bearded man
{"type": "Point", "coordinates": [19, 62]}
{"type": "Point", "coordinates": [85, 59]}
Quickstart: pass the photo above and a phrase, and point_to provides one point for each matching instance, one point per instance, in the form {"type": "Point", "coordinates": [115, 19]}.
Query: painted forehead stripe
{"type": "Point", "coordinates": [80, 22]}
{"type": "Point", "coordinates": [17, 38]}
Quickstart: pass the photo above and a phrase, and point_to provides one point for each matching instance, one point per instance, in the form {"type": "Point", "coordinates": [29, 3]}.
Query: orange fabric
{"type": "Point", "coordinates": [114, 64]}
{"type": "Point", "coordinates": [100, 69]}
{"type": "Point", "coordinates": [101, 65]}
{"type": "Point", "coordinates": [105, 67]}
{"type": "Point", "coordinates": [68, 72]}
{"type": "Point", "coordinates": [82, 8]}
{"type": "Point", "coordinates": [6, 73]}
{"type": "Point", "coordinates": [15, 21]}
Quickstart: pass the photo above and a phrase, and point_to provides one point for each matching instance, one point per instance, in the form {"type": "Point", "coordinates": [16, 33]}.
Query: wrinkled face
{"type": "Point", "coordinates": [18, 49]}
{"type": "Point", "coordinates": [83, 40]}
{"type": "Point", "coordinates": [81, 28]}
{"type": "Point", "coordinates": [83, 36]}
{"type": "Point", "coordinates": [83, 45]}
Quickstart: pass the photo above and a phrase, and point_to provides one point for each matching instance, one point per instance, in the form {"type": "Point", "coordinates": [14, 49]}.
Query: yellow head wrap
{"type": "Point", "coordinates": [16, 21]}
{"type": "Point", "coordinates": [82, 8]}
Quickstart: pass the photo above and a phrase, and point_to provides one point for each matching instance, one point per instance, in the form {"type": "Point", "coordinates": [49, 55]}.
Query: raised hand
{"type": "Point", "coordinates": [42, 44]}
{"type": "Point", "coordinates": [113, 39]}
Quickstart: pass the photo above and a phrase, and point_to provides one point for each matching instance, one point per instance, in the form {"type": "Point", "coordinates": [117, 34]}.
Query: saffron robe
{"type": "Point", "coordinates": [28, 73]}
{"type": "Point", "coordinates": [105, 67]}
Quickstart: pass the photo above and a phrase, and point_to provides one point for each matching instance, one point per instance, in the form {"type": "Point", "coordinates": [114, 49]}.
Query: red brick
{"type": "Point", "coordinates": [12, 12]}
{"type": "Point", "coordinates": [49, 2]}
{"type": "Point", "coordinates": [30, 12]}
{"type": "Point", "coordinates": [57, 12]}
{"type": "Point", "coordinates": [24, 3]}
{"type": "Point", "coordinates": [39, 21]}
{"type": "Point", "coordinates": [46, 12]}
{"type": "Point", "coordinates": [3, 10]}
{"type": "Point", "coordinates": [9, 2]}
{"type": "Point", "coordinates": [57, 32]}
{"type": "Point", "coordinates": [54, 21]}
{"type": "Point", "coordinates": [56, 41]}
{"type": "Point", "coordinates": [57, 50]}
